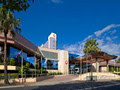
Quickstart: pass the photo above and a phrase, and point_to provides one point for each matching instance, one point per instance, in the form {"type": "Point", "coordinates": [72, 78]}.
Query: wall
{"type": "Point", "coordinates": [103, 69]}
{"type": "Point", "coordinates": [63, 56]}
{"type": "Point", "coordinates": [8, 67]}
{"type": "Point", "coordinates": [99, 76]}
{"type": "Point", "coordinates": [96, 67]}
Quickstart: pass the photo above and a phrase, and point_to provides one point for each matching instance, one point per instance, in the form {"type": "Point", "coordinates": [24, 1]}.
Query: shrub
{"type": "Point", "coordinates": [112, 69]}
{"type": "Point", "coordinates": [12, 61]}
{"type": "Point", "coordinates": [119, 69]}
{"type": "Point", "coordinates": [55, 73]}
{"type": "Point", "coordinates": [43, 71]}
{"type": "Point", "coordinates": [24, 70]}
{"type": "Point", "coordinates": [28, 64]}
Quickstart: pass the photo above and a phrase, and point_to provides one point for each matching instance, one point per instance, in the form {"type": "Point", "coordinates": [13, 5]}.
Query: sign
{"type": "Point", "coordinates": [66, 62]}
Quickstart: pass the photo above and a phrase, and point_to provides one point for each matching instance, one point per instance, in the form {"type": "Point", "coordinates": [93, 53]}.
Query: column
{"type": "Point", "coordinates": [35, 63]}
{"type": "Point", "coordinates": [107, 65]}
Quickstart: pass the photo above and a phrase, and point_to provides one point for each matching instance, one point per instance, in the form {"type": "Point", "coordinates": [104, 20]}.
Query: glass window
{"type": "Point", "coordinates": [17, 55]}
{"type": "Point", "coordinates": [50, 64]}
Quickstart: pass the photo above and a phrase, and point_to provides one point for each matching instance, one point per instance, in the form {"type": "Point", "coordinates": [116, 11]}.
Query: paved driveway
{"type": "Point", "coordinates": [66, 83]}
{"type": "Point", "coordinates": [56, 80]}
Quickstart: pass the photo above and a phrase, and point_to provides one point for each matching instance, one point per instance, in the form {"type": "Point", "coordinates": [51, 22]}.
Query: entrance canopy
{"type": "Point", "coordinates": [93, 57]}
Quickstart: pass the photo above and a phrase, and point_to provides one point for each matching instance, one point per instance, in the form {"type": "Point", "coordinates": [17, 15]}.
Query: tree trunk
{"type": "Point", "coordinates": [5, 59]}
{"type": "Point", "coordinates": [91, 71]}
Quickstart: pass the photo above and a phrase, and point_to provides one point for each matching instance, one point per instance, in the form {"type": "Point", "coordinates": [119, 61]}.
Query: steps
{"type": "Point", "coordinates": [99, 76]}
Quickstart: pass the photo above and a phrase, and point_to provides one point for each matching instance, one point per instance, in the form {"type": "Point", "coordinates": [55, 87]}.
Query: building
{"type": "Point", "coordinates": [55, 60]}
{"type": "Point", "coordinates": [15, 46]}
{"type": "Point", "coordinates": [52, 42]}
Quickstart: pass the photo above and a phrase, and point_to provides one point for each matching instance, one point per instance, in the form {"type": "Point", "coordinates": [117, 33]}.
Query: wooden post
{"type": "Point", "coordinates": [107, 66]}
{"type": "Point", "coordinates": [41, 65]}
{"type": "Point", "coordinates": [35, 63]}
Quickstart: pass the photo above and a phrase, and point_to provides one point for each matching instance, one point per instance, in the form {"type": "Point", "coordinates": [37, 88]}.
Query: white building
{"type": "Point", "coordinates": [52, 42]}
{"type": "Point", "coordinates": [60, 56]}
{"type": "Point", "coordinates": [52, 56]}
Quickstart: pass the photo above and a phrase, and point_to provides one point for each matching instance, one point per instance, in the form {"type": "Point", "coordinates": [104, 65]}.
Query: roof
{"type": "Point", "coordinates": [21, 42]}
{"type": "Point", "coordinates": [91, 58]}
{"type": "Point", "coordinates": [110, 63]}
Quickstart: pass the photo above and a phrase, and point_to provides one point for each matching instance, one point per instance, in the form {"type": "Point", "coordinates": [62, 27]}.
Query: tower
{"type": "Point", "coordinates": [52, 40]}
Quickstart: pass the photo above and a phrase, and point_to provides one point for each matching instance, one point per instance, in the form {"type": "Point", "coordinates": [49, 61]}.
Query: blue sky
{"type": "Point", "coordinates": [74, 21]}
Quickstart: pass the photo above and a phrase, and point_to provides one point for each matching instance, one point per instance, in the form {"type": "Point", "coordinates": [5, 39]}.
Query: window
{"type": "Point", "coordinates": [50, 64]}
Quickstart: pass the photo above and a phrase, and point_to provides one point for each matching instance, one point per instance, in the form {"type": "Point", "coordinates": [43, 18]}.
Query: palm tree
{"type": "Point", "coordinates": [8, 24]}
{"type": "Point", "coordinates": [91, 46]}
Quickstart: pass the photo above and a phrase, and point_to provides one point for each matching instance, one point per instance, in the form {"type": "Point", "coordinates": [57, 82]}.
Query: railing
{"type": "Point", "coordinates": [22, 76]}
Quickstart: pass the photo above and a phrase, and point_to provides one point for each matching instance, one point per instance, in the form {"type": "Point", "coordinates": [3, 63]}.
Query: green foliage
{"type": "Point", "coordinates": [119, 69]}
{"type": "Point", "coordinates": [111, 69]}
{"type": "Point", "coordinates": [10, 75]}
{"type": "Point", "coordinates": [16, 5]}
{"type": "Point", "coordinates": [24, 70]}
{"type": "Point", "coordinates": [28, 64]}
{"type": "Point", "coordinates": [8, 23]}
{"type": "Point", "coordinates": [12, 61]}
{"type": "Point", "coordinates": [43, 71]}
{"type": "Point", "coordinates": [55, 73]}
{"type": "Point", "coordinates": [91, 46]}
{"type": "Point", "coordinates": [118, 61]}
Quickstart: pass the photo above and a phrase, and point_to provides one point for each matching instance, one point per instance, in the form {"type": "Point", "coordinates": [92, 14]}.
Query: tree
{"type": "Point", "coordinates": [12, 61]}
{"type": "Point", "coordinates": [23, 70]}
{"type": "Point", "coordinates": [119, 69]}
{"type": "Point", "coordinates": [91, 46]}
{"type": "Point", "coordinates": [28, 64]}
{"type": "Point", "coordinates": [118, 61]}
{"type": "Point", "coordinates": [8, 24]}
{"type": "Point", "coordinates": [112, 69]}
{"type": "Point", "coordinates": [16, 5]}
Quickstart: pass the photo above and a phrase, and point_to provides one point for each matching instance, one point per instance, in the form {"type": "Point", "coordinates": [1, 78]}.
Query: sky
{"type": "Point", "coordinates": [74, 22]}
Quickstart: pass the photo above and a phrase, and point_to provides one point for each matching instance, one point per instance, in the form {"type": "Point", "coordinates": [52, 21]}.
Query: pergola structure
{"type": "Point", "coordinates": [94, 58]}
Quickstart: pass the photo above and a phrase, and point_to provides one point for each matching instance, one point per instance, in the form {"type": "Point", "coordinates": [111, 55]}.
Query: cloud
{"type": "Point", "coordinates": [115, 37]}
{"type": "Point", "coordinates": [76, 48]}
{"type": "Point", "coordinates": [111, 48]}
{"type": "Point", "coordinates": [100, 32]}
{"type": "Point", "coordinates": [90, 36]}
{"type": "Point", "coordinates": [114, 31]}
{"type": "Point", "coordinates": [71, 48]}
{"type": "Point", "coordinates": [56, 1]}
{"type": "Point", "coordinates": [100, 41]}
{"type": "Point", "coordinates": [108, 38]}
{"type": "Point", "coordinates": [106, 43]}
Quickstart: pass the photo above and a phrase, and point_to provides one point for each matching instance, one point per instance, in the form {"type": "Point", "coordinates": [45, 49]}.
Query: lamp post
{"type": "Point", "coordinates": [41, 65]}
{"type": "Point", "coordinates": [91, 70]}
{"type": "Point", "coordinates": [22, 66]}
{"type": "Point", "coordinates": [35, 63]}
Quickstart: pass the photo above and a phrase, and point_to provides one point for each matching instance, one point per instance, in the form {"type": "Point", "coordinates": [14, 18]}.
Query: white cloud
{"type": "Point", "coordinates": [71, 48]}
{"type": "Point", "coordinates": [100, 41]}
{"type": "Point", "coordinates": [114, 31]}
{"type": "Point", "coordinates": [108, 38]}
{"type": "Point", "coordinates": [111, 48]}
{"type": "Point", "coordinates": [100, 32]}
{"type": "Point", "coordinates": [106, 43]}
{"type": "Point", "coordinates": [115, 37]}
{"type": "Point", "coordinates": [76, 48]}
{"type": "Point", "coordinates": [90, 36]}
{"type": "Point", "coordinates": [56, 1]}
